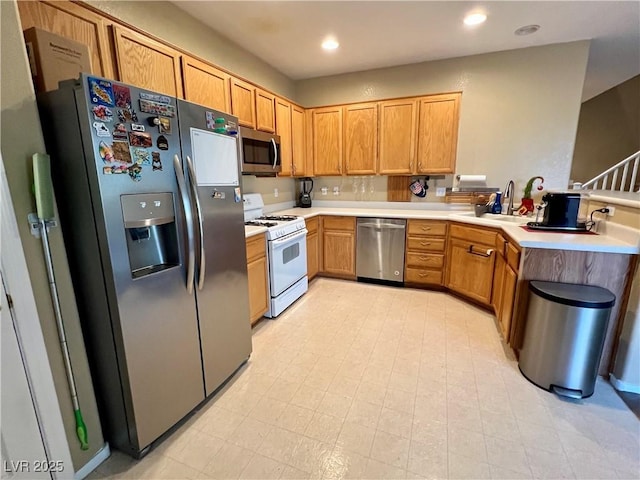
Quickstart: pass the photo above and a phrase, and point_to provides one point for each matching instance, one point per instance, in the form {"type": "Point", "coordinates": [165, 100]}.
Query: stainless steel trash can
{"type": "Point", "coordinates": [564, 336]}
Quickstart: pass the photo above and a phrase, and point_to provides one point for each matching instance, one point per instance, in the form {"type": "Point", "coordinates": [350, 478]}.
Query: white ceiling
{"type": "Point", "coordinates": [375, 34]}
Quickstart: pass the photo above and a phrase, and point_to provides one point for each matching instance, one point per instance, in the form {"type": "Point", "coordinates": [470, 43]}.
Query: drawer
{"type": "Point", "coordinates": [475, 235]}
{"type": "Point", "coordinates": [311, 224]}
{"type": "Point", "coordinates": [256, 247]}
{"type": "Point", "coordinates": [513, 257]}
{"type": "Point", "coordinates": [339, 223]}
{"type": "Point", "coordinates": [425, 260]}
{"type": "Point", "coordinates": [419, 275]}
{"type": "Point", "coordinates": [426, 244]}
{"type": "Point", "coordinates": [426, 227]}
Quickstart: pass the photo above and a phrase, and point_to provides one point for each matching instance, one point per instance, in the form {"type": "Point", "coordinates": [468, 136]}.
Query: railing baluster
{"type": "Point", "coordinates": [605, 180]}
{"type": "Point", "coordinates": [634, 174]}
{"type": "Point", "coordinates": [623, 182]}
{"type": "Point", "coordinates": [614, 181]}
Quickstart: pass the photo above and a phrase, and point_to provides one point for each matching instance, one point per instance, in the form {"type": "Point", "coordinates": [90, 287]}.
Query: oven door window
{"type": "Point", "coordinates": [288, 262]}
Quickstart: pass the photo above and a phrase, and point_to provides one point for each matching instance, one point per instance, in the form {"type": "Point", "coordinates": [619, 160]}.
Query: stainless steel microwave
{"type": "Point", "coordinates": [260, 152]}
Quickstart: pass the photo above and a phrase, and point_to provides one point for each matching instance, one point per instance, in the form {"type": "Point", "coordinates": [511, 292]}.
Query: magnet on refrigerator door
{"type": "Point", "coordinates": [101, 92]}
{"type": "Point", "coordinates": [101, 129]}
{"type": "Point", "coordinates": [100, 112]}
{"type": "Point", "coordinates": [162, 143]}
{"type": "Point", "coordinates": [127, 115]}
{"type": "Point", "coordinates": [122, 95]}
{"type": "Point", "coordinates": [165, 125]}
{"type": "Point", "coordinates": [141, 156]}
{"type": "Point", "coordinates": [121, 152]}
{"type": "Point", "coordinates": [120, 131]}
{"type": "Point", "coordinates": [140, 139]}
{"type": "Point", "coordinates": [135, 172]}
{"type": "Point", "coordinates": [156, 162]}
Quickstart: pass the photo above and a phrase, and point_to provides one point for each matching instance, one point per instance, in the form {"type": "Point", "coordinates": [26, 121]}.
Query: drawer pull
{"type": "Point", "coordinates": [426, 229]}
{"type": "Point", "coordinates": [425, 244]}
{"type": "Point", "coordinates": [424, 258]}
{"type": "Point", "coordinates": [486, 253]}
{"type": "Point", "coordinates": [422, 275]}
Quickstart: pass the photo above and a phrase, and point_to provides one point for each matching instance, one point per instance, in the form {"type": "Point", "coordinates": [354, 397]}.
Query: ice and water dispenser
{"type": "Point", "coordinates": [150, 227]}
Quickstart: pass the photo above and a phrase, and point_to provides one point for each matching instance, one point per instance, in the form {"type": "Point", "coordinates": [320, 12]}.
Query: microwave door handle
{"type": "Point", "coordinates": [188, 217]}
{"type": "Point", "coordinates": [194, 192]}
{"type": "Point", "coordinates": [275, 153]}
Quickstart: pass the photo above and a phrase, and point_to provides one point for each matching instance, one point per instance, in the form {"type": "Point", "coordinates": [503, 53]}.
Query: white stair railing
{"type": "Point", "coordinates": [601, 182]}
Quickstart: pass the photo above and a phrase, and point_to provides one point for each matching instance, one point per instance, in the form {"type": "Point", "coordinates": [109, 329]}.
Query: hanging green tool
{"type": "Point", "coordinates": [43, 190]}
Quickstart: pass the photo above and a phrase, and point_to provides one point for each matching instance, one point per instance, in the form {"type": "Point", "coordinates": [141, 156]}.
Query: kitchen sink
{"type": "Point", "coordinates": [506, 218]}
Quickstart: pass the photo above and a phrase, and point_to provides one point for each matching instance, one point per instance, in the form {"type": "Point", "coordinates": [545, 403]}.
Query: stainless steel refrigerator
{"type": "Point", "coordinates": [148, 191]}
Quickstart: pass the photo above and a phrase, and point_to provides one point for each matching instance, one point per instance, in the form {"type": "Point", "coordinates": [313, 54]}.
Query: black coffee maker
{"type": "Point", "coordinates": [305, 187]}
{"type": "Point", "coordinates": [560, 213]}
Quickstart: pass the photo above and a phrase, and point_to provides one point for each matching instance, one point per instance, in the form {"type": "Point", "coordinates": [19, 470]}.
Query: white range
{"type": "Point", "coordinates": [286, 253]}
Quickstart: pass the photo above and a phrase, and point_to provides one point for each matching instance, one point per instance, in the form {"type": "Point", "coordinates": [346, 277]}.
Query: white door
{"type": "Point", "coordinates": [22, 445]}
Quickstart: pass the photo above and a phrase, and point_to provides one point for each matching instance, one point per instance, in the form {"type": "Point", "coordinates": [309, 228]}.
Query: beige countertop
{"type": "Point", "coordinates": [611, 239]}
{"type": "Point", "coordinates": [250, 230]}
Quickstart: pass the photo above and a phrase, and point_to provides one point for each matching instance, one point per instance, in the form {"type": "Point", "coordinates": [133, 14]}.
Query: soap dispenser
{"type": "Point", "coordinates": [497, 206]}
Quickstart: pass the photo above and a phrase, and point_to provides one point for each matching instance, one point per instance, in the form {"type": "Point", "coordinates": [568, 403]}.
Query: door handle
{"type": "Point", "coordinates": [188, 216]}
{"type": "Point", "coordinates": [275, 153]}
{"type": "Point", "coordinates": [486, 253]}
{"type": "Point", "coordinates": [194, 192]}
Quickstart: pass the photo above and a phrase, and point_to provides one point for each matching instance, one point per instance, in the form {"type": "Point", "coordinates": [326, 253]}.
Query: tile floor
{"type": "Point", "coordinates": [366, 381]}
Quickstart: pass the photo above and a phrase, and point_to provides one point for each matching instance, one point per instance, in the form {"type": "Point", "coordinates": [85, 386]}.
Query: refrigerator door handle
{"type": "Point", "coordinates": [194, 192]}
{"type": "Point", "coordinates": [188, 215]}
{"type": "Point", "coordinates": [275, 153]}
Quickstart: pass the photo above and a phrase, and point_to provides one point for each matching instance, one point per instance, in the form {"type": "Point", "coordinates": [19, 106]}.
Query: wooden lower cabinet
{"type": "Point", "coordinates": [509, 282]}
{"type": "Point", "coordinates": [471, 263]}
{"type": "Point", "coordinates": [313, 247]}
{"type": "Point", "coordinates": [425, 252]}
{"type": "Point", "coordinates": [257, 271]}
{"type": "Point", "coordinates": [339, 246]}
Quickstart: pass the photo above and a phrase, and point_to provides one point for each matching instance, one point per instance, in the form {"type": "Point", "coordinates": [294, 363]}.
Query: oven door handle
{"type": "Point", "coordinates": [275, 153]}
{"type": "Point", "coordinates": [278, 242]}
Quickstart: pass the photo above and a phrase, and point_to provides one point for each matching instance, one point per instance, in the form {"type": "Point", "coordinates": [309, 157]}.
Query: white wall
{"type": "Point", "coordinates": [519, 108]}
{"type": "Point", "coordinates": [22, 137]}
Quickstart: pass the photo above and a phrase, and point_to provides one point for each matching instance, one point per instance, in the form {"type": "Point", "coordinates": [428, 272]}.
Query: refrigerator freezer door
{"type": "Point", "coordinates": [223, 300]}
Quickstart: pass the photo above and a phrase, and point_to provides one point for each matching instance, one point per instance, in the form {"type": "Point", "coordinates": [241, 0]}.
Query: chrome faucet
{"type": "Point", "coordinates": [508, 193]}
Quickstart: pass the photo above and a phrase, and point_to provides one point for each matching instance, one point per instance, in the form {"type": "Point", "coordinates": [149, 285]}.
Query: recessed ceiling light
{"type": "Point", "coordinates": [527, 30]}
{"type": "Point", "coordinates": [330, 44]}
{"type": "Point", "coordinates": [475, 19]}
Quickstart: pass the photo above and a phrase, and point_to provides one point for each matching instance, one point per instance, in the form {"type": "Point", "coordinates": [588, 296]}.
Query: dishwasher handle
{"type": "Point", "coordinates": [381, 226]}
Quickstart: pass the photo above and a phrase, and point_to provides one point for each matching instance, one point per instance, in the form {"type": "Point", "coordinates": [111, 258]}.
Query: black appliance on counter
{"type": "Point", "coordinates": [305, 187]}
{"type": "Point", "coordinates": [560, 213]}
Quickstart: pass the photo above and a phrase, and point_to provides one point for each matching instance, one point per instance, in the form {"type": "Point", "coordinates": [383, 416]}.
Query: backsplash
{"type": "Point", "coordinates": [267, 187]}
{"type": "Point", "coordinates": [371, 188]}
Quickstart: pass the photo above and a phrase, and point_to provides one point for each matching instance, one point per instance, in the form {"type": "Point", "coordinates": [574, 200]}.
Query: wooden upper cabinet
{"type": "Point", "coordinates": [265, 117]}
{"type": "Point", "coordinates": [205, 85]}
{"type": "Point", "coordinates": [397, 136]}
{"type": "Point", "coordinates": [327, 141]}
{"type": "Point", "coordinates": [72, 21]}
{"type": "Point", "coordinates": [283, 128]}
{"type": "Point", "coordinates": [146, 63]}
{"type": "Point", "coordinates": [243, 102]}
{"type": "Point", "coordinates": [361, 138]}
{"type": "Point", "coordinates": [298, 141]}
{"type": "Point", "coordinates": [438, 133]}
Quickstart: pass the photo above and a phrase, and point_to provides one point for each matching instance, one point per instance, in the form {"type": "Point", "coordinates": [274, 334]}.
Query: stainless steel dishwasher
{"type": "Point", "coordinates": [380, 249]}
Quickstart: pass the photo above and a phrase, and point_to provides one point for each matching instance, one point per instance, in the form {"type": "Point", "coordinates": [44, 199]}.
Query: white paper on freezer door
{"type": "Point", "coordinates": [215, 158]}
